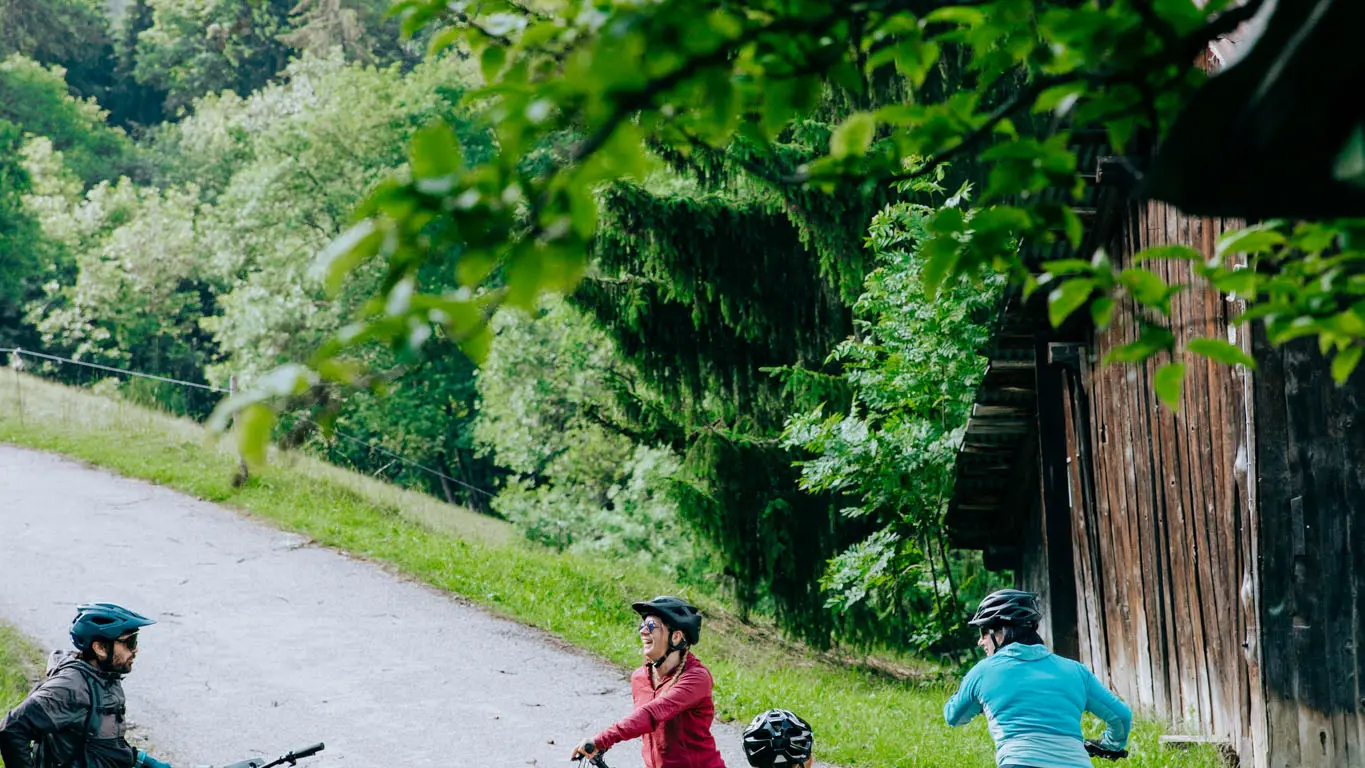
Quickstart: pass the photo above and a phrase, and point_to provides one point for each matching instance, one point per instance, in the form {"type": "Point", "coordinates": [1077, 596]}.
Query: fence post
{"type": "Point", "coordinates": [16, 362]}
{"type": "Point", "coordinates": [244, 473]}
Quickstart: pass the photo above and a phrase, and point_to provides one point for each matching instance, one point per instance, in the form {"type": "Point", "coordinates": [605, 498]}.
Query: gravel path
{"type": "Point", "coordinates": [267, 642]}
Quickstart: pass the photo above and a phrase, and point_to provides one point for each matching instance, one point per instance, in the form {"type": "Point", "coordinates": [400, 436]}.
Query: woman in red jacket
{"type": "Point", "coordinates": [672, 692]}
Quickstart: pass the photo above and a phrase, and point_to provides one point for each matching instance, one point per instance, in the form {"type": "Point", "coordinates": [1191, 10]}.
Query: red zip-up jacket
{"type": "Point", "coordinates": [673, 719]}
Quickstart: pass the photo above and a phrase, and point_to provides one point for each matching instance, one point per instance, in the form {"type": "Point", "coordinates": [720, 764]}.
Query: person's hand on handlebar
{"type": "Point", "coordinates": [145, 760]}
{"type": "Point", "coordinates": [584, 750]}
{"type": "Point", "coordinates": [1094, 749]}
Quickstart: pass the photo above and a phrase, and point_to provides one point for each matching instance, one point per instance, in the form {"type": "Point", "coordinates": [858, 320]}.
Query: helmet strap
{"type": "Point", "coordinates": [680, 648]}
{"type": "Point", "coordinates": [105, 664]}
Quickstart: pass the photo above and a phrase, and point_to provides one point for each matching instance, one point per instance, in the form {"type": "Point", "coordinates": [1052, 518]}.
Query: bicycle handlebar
{"type": "Point", "coordinates": [1094, 749]}
{"type": "Point", "coordinates": [596, 760]}
{"type": "Point", "coordinates": [295, 756]}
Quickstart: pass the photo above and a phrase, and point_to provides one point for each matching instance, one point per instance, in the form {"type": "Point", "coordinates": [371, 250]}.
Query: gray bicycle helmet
{"type": "Point", "coordinates": [103, 621]}
{"type": "Point", "coordinates": [1007, 608]}
{"type": "Point", "coordinates": [677, 614]}
{"type": "Point", "coordinates": [778, 737]}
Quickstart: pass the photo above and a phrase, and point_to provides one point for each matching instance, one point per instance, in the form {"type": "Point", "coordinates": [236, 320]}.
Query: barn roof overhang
{"type": "Point", "coordinates": [996, 473]}
{"type": "Point", "coordinates": [1279, 133]}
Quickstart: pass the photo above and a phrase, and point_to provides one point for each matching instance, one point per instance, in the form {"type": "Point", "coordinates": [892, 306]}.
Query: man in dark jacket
{"type": "Point", "coordinates": [74, 718]}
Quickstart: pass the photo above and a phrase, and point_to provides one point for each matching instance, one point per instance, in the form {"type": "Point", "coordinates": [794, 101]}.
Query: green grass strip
{"type": "Point", "coordinates": [861, 717]}
{"type": "Point", "coordinates": [21, 661]}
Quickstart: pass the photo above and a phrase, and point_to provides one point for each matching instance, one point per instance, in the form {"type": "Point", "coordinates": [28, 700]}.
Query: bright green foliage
{"type": "Point", "coordinates": [132, 104]}
{"type": "Point", "coordinates": [283, 168]}
{"type": "Point", "coordinates": [36, 99]}
{"type": "Point", "coordinates": [1028, 77]}
{"type": "Point", "coordinates": [546, 399]}
{"type": "Point", "coordinates": [137, 301]}
{"type": "Point", "coordinates": [913, 368]}
{"type": "Point", "coordinates": [199, 47]}
{"type": "Point", "coordinates": [19, 235]}
{"type": "Point", "coordinates": [705, 294]}
{"type": "Point", "coordinates": [21, 661]}
{"type": "Point", "coordinates": [71, 34]}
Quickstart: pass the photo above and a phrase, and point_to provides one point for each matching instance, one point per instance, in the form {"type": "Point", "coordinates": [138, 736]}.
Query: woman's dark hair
{"type": "Point", "coordinates": [1025, 635]}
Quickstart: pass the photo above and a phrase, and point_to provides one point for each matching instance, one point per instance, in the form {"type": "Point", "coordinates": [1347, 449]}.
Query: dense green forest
{"type": "Point", "coordinates": [750, 387]}
{"type": "Point", "coordinates": [705, 290]}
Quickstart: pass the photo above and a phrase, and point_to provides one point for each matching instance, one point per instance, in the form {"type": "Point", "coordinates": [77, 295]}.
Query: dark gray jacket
{"type": "Point", "coordinates": [57, 715]}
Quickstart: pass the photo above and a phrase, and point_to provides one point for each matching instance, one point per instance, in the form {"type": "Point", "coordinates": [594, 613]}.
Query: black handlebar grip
{"type": "Point", "coordinates": [589, 747]}
{"type": "Point", "coordinates": [309, 751]}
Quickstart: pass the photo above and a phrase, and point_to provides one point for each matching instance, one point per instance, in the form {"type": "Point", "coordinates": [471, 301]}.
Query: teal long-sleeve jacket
{"type": "Point", "coordinates": [1033, 700]}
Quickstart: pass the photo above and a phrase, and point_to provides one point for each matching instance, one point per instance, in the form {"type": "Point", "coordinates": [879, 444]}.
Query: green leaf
{"type": "Point", "coordinates": [853, 137]}
{"type": "Point", "coordinates": [1170, 383]}
{"type": "Point", "coordinates": [1154, 339]}
{"type": "Point", "coordinates": [940, 253]}
{"type": "Point", "coordinates": [1059, 98]}
{"type": "Point", "coordinates": [1349, 323]}
{"type": "Point", "coordinates": [1146, 287]}
{"type": "Point", "coordinates": [435, 152]}
{"type": "Point", "coordinates": [254, 424]}
{"type": "Point", "coordinates": [1221, 351]}
{"type": "Point", "coordinates": [492, 61]}
{"type": "Point", "coordinates": [354, 246]}
{"type": "Point", "coordinates": [446, 38]}
{"type": "Point", "coordinates": [1067, 298]}
{"type": "Point", "coordinates": [959, 14]}
{"type": "Point", "coordinates": [477, 344]}
{"type": "Point", "coordinates": [1345, 362]}
{"type": "Point", "coordinates": [1061, 267]}
{"type": "Point", "coordinates": [1102, 311]}
{"type": "Point", "coordinates": [1241, 281]}
{"type": "Point", "coordinates": [1252, 240]}
{"type": "Point", "coordinates": [1169, 252]}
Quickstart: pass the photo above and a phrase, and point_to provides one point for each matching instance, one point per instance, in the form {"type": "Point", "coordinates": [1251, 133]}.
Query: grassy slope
{"type": "Point", "coordinates": [861, 718]}
{"type": "Point", "coordinates": [20, 664]}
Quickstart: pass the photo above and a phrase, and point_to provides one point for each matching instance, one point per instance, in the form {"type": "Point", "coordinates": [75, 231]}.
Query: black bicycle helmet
{"type": "Point", "coordinates": [677, 614]}
{"type": "Point", "coordinates": [778, 737]}
{"type": "Point", "coordinates": [103, 621]}
{"type": "Point", "coordinates": [1008, 608]}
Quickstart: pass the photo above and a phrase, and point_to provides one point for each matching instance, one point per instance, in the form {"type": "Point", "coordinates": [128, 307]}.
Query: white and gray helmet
{"type": "Point", "coordinates": [778, 737]}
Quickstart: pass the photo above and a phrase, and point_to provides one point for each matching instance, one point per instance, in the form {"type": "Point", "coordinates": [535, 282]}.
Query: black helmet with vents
{"type": "Point", "coordinates": [1008, 608]}
{"type": "Point", "coordinates": [678, 614]}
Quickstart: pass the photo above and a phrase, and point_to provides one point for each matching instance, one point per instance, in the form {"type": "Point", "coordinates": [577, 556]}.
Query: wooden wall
{"type": "Point", "coordinates": [1311, 462]}
{"type": "Point", "coordinates": [1163, 529]}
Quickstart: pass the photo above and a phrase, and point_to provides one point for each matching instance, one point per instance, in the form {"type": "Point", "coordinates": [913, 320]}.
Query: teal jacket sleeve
{"type": "Point", "coordinates": [966, 703]}
{"type": "Point", "coordinates": [1109, 708]}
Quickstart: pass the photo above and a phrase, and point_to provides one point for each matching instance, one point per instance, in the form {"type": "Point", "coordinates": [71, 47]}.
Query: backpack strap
{"type": "Point", "coordinates": [92, 723]}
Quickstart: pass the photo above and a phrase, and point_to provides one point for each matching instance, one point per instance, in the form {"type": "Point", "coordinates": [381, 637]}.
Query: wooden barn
{"type": "Point", "coordinates": [1207, 563]}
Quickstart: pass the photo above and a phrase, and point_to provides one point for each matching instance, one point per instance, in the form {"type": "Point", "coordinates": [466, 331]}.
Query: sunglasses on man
{"type": "Point", "coordinates": [129, 642]}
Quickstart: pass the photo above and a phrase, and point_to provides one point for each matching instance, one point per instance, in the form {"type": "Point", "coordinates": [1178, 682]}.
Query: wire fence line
{"type": "Point", "coordinates": [19, 353]}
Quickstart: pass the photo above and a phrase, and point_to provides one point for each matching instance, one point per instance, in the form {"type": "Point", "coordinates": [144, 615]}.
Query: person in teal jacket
{"type": "Point", "coordinates": [1033, 699]}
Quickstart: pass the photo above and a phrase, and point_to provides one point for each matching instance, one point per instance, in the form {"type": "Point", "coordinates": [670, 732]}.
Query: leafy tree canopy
{"type": "Point", "coordinates": [35, 98]}
{"type": "Point", "coordinates": [71, 34]}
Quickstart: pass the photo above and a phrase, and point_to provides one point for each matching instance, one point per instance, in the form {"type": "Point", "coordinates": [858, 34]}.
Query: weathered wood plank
{"type": "Point", "coordinates": [1194, 422]}
{"type": "Point", "coordinates": [1137, 517]}
{"type": "Point", "coordinates": [1120, 637]}
{"type": "Point", "coordinates": [1152, 497]}
{"type": "Point", "coordinates": [1176, 490]}
{"type": "Point", "coordinates": [1275, 487]}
